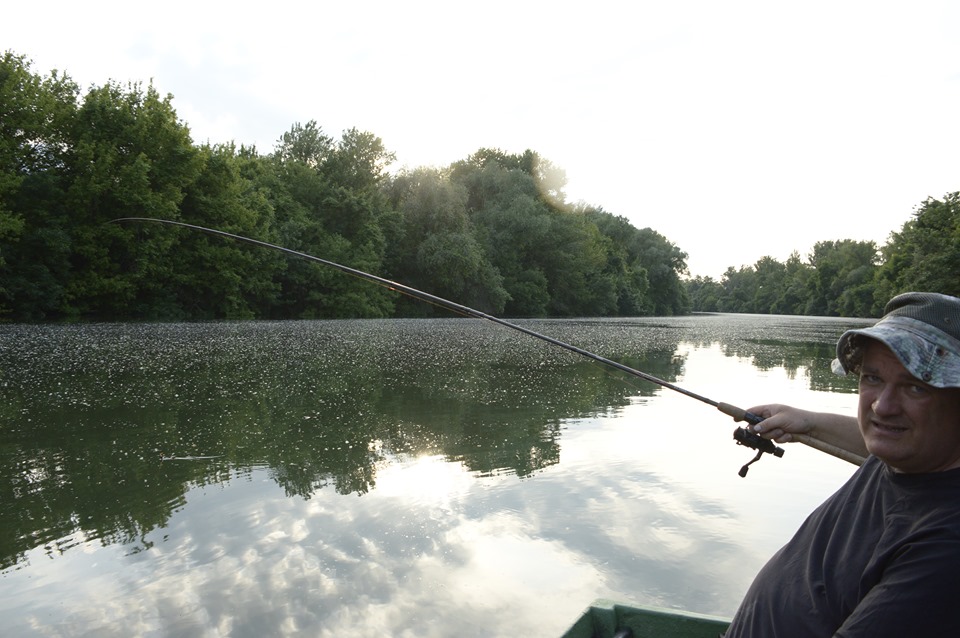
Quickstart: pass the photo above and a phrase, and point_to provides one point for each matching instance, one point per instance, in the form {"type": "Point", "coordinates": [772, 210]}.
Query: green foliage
{"type": "Point", "coordinates": [130, 157]}
{"type": "Point", "coordinates": [846, 278]}
{"type": "Point", "coordinates": [561, 262]}
{"type": "Point", "coordinates": [318, 215]}
{"type": "Point", "coordinates": [359, 162]}
{"type": "Point", "coordinates": [626, 279]}
{"type": "Point", "coordinates": [34, 245]}
{"type": "Point", "coordinates": [20, 122]}
{"type": "Point", "coordinates": [705, 294]}
{"type": "Point", "coordinates": [645, 268]}
{"type": "Point", "coordinates": [574, 267]}
{"type": "Point", "coordinates": [514, 228]}
{"type": "Point", "coordinates": [305, 144]}
{"type": "Point", "coordinates": [216, 278]}
{"type": "Point", "coordinates": [842, 274]}
{"type": "Point", "coordinates": [436, 248]}
{"type": "Point", "coordinates": [492, 231]}
{"type": "Point", "coordinates": [925, 254]}
{"type": "Point", "coordinates": [791, 291]}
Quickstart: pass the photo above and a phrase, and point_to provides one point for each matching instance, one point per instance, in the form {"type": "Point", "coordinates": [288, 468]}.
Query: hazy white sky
{"type": "Point", "coordinates": [736, 129]}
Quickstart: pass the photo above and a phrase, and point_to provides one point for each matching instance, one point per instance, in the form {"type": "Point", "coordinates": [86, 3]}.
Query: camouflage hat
{"type": "Point", "coordinates": [922, 329]}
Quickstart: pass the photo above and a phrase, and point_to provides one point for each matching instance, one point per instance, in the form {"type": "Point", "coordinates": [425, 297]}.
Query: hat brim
{"type": "Point", "coordinates": [927, 353]}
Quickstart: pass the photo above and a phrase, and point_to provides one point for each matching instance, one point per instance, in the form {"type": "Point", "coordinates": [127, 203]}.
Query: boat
{"type": "Point", "coordinates": [609, 619]}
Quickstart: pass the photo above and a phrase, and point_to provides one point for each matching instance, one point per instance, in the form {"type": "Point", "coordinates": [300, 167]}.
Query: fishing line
{"type": "Point", "coordinates": [742, 435]}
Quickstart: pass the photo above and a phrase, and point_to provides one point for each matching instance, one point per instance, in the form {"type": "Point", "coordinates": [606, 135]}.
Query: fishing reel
{"type": "Point", "coordinates": [743, 436]}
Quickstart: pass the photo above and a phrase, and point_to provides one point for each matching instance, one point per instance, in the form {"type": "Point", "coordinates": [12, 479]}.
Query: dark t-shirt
{"type": "Point", "coordinates": [881, 557]}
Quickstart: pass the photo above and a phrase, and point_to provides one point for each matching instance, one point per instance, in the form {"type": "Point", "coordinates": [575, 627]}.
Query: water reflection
{"type": "Point", "coordinates": [94, 411]}
{"type": "Point", "coordinates": [450, 431]}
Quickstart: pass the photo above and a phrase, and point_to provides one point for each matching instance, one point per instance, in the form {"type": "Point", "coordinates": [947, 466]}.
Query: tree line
{"type": "Point", "coordinates": [846, 278]}
{"type": "Point", "coordinates": [492, 231]}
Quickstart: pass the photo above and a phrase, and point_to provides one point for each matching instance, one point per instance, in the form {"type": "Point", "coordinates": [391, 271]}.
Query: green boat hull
{"type": "Point", "coordinates": [604, 619]}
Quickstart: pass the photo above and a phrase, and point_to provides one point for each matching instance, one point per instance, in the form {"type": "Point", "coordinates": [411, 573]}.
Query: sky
{"type": "Point", "coordinates": [737, 129]}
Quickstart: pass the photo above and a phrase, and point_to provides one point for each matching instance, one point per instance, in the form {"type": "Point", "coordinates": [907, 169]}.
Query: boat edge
{"type": "Point", "coordinates": [604, 617]}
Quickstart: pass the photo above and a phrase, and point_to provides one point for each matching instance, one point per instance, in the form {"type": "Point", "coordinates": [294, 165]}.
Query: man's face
{"type": "Point", "coordinates": [911, 426]}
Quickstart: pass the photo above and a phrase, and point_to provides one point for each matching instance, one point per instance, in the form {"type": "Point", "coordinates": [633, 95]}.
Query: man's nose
{"type": "Point", "coordinates": [887, 400]}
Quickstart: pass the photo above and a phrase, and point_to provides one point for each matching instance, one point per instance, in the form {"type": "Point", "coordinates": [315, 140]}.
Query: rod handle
{"type": "Point", "coordinates": [832, 450]}
{"type": "Point", "coordinates": [739, 414]}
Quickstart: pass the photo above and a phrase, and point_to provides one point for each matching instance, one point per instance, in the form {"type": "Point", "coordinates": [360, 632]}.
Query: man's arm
{"type": "Point", "coordinates": [785, 424]}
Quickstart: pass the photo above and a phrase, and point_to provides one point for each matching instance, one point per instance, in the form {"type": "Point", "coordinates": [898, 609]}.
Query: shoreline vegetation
{"type": "Point", "coordinates": [493, 231]}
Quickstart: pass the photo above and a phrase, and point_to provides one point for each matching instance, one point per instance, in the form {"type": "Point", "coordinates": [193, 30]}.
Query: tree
{"type": "Point", "coordinates": [624, 268]}
{"type": "Point", "coordinates": [305, 144]}
{"type": "Point", "coordinates": [512, 224]}
{"type": "Point", "coordinates": [320, 215]}
{"type": "Point", "coordinates": [664, 263]}
{"type": "Point", "coordinates": [573, 262]}
{"type": "Point", "coordinates": [650, 267]}
{"type": "Point", "coordinates": [841, 268]}
{"type": "Point", "coordinates": [216, 278]}
{"type": "Point", "coordinates": [925, 254]}
{"type": "Point", "coordinates": [739, 288]}
{"type": "Point", "coordinates": [705, 294]}
{"type": "Point", "coordinates": [359, 161]}
{"type": "Point", "coordinates": [131, 157]}
{"type": "Point", "coordinates": [35, 116]}
{"type": "Point", "coordinates": [437, 249]}
{"type": "Point", "coordinates": [515, 234]}
{"type": "Point", "coordinates": [21, 123]}
{"type": "Point", "coordinates": [792, 298]}
{"type": "Point", "coordinates": [770, 277]}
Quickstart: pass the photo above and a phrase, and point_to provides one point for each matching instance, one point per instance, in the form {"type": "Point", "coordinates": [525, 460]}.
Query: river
{"type": "Point", "coordinates": [396, 477]}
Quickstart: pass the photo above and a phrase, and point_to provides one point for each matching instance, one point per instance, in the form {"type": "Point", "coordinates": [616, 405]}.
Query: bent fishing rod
{"type": "Point", "coordinates": [742, 435]}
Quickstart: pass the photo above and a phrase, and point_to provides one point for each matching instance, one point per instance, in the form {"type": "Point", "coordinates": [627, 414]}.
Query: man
{"type": "Point", "coordinates": [881, 557]}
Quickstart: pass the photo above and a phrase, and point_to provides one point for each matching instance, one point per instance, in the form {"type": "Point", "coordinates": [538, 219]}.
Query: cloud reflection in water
{"type": "Point", "coordinates": [482, 557]}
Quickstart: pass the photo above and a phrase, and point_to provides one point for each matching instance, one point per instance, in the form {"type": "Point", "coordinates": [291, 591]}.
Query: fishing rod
{"type": "Point", "coordinates": [742, 435]}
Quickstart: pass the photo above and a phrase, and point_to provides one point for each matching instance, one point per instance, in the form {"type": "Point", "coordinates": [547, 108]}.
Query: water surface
{"type": "Point", "coordinates": [401, 478]}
